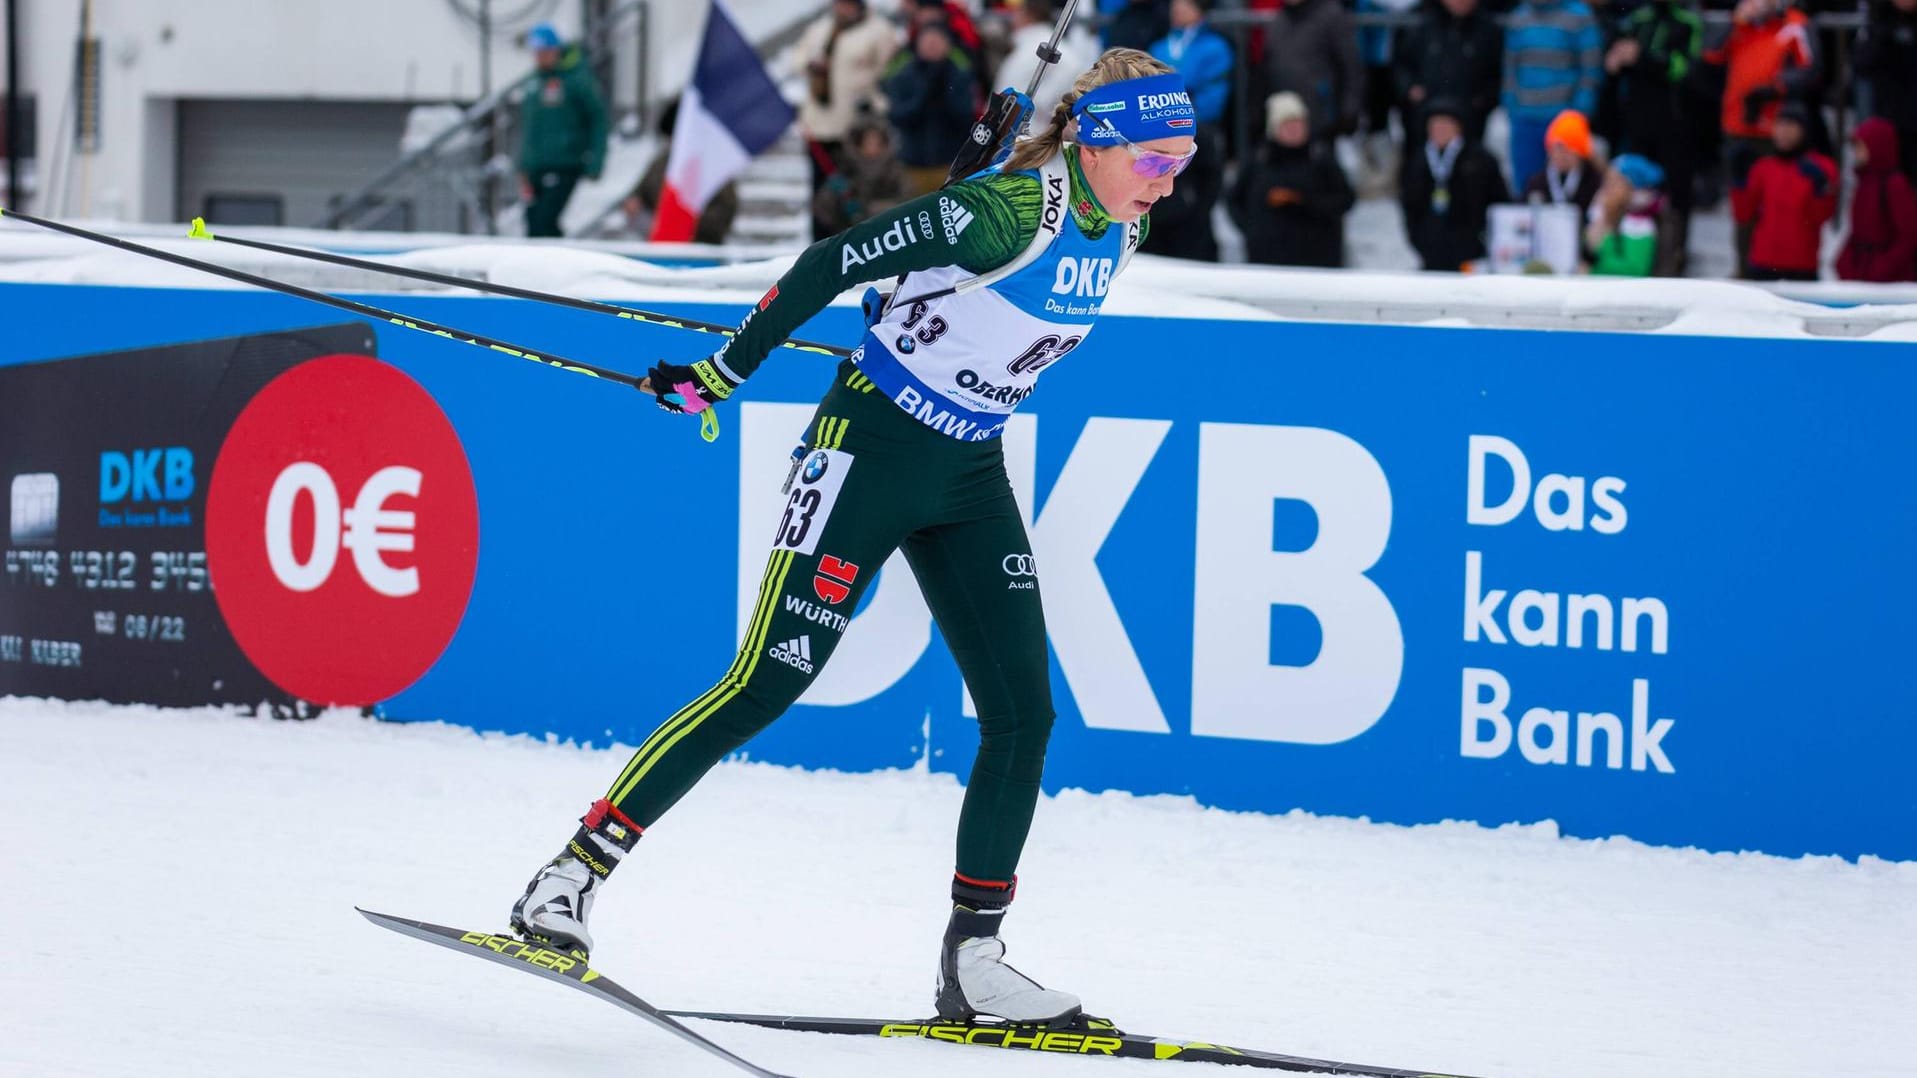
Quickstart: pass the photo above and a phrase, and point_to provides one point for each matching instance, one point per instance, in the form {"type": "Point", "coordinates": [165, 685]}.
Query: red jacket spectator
{"type": "Point", "coordinates": [1786, 199]}
{"type": "Point", "coordinates": [1883, 213]}
{"type": "Point", "coordinates": [1770, 55]}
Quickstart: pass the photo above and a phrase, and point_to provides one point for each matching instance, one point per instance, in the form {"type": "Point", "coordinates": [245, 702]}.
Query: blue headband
{"type": "Point", "coordinates": [1136, 110]}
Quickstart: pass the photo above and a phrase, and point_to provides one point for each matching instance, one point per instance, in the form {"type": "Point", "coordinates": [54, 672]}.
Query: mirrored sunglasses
{"type": "Point", "coordinates": [1152, 163]}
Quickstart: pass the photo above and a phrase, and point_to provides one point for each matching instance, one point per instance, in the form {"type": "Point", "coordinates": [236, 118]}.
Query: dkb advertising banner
{"type": "Point", "coordinates": [107, 460]}
{"type": "Point", "coordinates": [1645, 585]}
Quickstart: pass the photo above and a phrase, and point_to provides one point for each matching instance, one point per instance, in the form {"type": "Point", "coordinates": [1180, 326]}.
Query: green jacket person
{"type": "Point", "coordinates": [1004, 274]}
{"type": "Point", "coordinates": [562, 130]}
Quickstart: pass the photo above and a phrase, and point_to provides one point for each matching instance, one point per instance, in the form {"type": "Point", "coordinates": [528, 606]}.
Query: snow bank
{"type": "Point", "coordinates": [1154, 287]}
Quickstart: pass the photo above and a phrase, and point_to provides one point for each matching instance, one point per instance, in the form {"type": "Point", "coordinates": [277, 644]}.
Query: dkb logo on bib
{"type": "Point", "coordinates": [1082, 276]}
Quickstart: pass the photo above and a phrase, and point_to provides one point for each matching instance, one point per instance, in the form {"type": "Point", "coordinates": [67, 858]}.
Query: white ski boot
{"type": "Point", "coordinates": [559, 899]}
{"type": "Point", "coordinates": [974, 979]}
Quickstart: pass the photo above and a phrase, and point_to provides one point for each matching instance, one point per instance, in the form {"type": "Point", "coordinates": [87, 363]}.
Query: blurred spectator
{"type": "Point", "coordinates": [960, 27]}
{"type": "Point", "coordinates": [1202, 56]}
{"type": "Point", "coordinates": [562, 130]}
{"type": "Point", "coordinates": [1886, 61]}
{"type": "Point", "coordinates": [1883, 211]}
{"type": "Point", "coordinates": [843, 54]}
{"type": "Point", "coordinates": [1258, 36]}
{"type": "Point", "coordinates": [1769, 57]}
{"type": "Point", "coordinates": [1552, 62]}
{"type": "Point", "coordinates": [1456, 51]}
{"type": "Point", "coordinates": [1785, 201]}
{"type": "Point", "coordinates": [934, 99]}
{"type": "Point", "coordinates": [1137, 24]}
{"type": "Point", "coordinates": [1622, 237]}
{"type": "Point", "coordinates": [1313, 52]}
{"type": "Point", "coordinates": [869, 181]}
{"type": "Point", "coordinates": [1291, 199]}
{"type": "Point", "coordinates": [1657, 48]}
{"type": "Point", "coordinates": [1377, 48]}
{"type": "Point", "coordinates": [715, 220]}
{"type": "Point", "coordinates": [1031, 27]}
{"type": "Point", "coordinates": [1568, 178]}
{"type": "Point", "coordinates": [1448, 190]}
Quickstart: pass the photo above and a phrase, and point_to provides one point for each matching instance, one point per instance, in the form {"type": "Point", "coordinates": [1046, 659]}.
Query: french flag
{"type": "Point", "coordinates": [730, 112]}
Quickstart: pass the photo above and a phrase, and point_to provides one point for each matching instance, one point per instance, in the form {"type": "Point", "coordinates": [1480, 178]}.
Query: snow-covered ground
{"type": "Point", "coordinates": [180, 889]}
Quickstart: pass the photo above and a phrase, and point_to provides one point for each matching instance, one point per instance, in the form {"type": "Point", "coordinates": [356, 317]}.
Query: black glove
{"type": "Point", "coordinates": [1819, 179]}
{"type": "Point", "coordinates": [689, 389]}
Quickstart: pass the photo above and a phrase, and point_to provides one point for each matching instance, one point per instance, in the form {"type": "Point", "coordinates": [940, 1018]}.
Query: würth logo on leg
{"type": "Point", "coordinates": [834, 580]}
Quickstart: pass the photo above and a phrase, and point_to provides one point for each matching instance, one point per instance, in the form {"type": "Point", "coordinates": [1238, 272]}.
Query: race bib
{"type": "Point", "coordinates": [808, 505]}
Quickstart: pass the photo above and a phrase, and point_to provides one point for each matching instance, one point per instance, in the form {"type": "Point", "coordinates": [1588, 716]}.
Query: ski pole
{"type": "Point", "coordinates": [651, 318]}
{"type": "Point", "coordinates": [708, 428]}
{"type": "Point", "coordinates": [1048, 53]}
{"type": "Point", "coordinates": [1002, 111]}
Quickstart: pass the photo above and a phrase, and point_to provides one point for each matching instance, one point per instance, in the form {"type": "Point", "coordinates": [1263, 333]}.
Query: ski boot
{"type": "Point", "coordinates": [974, 980]}
{"type": "Point", "coordinates": [558, 900]}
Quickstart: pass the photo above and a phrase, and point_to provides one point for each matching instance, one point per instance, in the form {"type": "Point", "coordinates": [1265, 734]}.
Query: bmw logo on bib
{"type": "Point", "coordinates": [815, 466]}
{"type": "Point", "coordinates": [905, 344]}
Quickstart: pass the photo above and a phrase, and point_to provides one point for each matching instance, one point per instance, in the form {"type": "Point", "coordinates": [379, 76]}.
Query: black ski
{"type": "Point", "coordinates": [557, 966]}
{"type": "Point", "coordinates": [1089, 1037]}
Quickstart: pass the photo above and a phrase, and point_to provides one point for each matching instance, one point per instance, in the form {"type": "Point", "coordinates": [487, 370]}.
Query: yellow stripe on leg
{"type": "Point", "coordinates": [754, 647]}
{"type": "Point", "coordinates": [728, 684]}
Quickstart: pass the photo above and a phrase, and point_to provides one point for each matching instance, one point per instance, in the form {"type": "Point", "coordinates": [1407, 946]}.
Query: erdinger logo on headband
{"type": "Point", "coordinates": [1174, 110]}
{"type": "Point", "coordinates": [1135, 110]}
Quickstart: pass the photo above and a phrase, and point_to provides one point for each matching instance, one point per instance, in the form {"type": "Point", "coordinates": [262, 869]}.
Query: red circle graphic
{"type": "Point", "coordinates": [342, 530]}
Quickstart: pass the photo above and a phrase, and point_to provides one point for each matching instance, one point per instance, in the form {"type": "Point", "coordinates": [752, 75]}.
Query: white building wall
{"type": "Point", "coordinates": [155, 52]}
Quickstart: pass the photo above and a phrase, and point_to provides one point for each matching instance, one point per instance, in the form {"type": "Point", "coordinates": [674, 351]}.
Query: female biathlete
{"type": "Point", "coordinates": [1004, 273]}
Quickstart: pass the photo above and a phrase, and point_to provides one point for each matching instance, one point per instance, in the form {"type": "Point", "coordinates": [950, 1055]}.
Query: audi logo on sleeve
{"type": "Point", "coordinates": [342, 530]}
{"type": "Point", "coordinates": [1023, 569]}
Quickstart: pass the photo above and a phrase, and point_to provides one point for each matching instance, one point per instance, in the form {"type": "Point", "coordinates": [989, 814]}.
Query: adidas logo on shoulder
{"type": "Point", "coordinates": [954, 217]}
{"type": "Point", "coordinates": [796, 653]}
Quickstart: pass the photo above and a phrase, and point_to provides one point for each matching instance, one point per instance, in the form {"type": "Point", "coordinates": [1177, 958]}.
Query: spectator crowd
{"type": "Point", "coordinates": [1626, 115]}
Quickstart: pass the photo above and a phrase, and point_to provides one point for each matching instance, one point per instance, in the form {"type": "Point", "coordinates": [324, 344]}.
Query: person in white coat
{"type": "Point", "coordinates": [1031, 27]}
{"type": "Point", "coordinates": [843, 55]}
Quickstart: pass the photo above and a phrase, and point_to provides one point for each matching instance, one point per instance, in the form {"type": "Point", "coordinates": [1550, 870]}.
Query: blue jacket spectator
{"type": "Point", "coordinates": [1201, 55]}
{"type": "Point", "coordinates": [1553, 60]}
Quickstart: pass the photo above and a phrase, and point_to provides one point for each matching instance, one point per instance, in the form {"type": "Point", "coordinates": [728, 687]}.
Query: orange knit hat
{"type": "Point", "coordinates": [1573, 130]}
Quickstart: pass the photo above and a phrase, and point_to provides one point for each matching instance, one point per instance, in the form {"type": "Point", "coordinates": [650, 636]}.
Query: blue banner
{"type": "Point", "coordinates": [1645, 585]}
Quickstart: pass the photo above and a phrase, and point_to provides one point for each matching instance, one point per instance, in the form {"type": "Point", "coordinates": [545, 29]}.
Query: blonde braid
{"type": "Point", "coordinates": [1035, 151]}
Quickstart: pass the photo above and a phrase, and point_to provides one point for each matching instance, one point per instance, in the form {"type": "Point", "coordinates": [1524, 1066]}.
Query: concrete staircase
{"type": "Point", "coordinates": [775, 197]}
